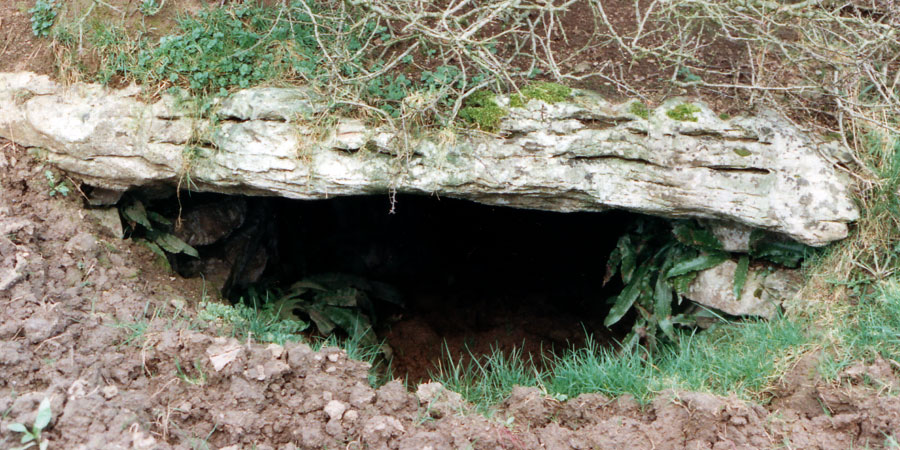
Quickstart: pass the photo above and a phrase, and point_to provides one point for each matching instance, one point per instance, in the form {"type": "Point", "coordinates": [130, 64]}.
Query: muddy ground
{"type": "Point", "coordinates": [101, 328]}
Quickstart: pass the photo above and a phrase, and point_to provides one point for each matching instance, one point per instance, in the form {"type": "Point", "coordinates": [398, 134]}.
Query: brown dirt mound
{"type": "Point", "coordinates": [97, 325]}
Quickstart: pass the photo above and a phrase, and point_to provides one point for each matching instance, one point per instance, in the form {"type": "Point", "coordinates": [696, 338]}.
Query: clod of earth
{"type": "Point", "coordinates": [582, 154]}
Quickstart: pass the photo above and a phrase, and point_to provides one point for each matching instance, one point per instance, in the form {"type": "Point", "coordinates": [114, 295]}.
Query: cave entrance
{"type": "Point", "coordinates": [473, 278]}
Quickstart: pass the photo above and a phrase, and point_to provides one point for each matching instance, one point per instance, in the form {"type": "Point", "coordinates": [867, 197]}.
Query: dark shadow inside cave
{"type": "Point", "coordinates": [473, 277]}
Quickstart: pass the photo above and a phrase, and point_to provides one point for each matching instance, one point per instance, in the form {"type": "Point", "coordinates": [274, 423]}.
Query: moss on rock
{"type": "Point", "coordinates": [540, 90]}
{"type": "Point", "coordinates": [639, 109]}
{"type": "Point", "coordinates": [684, 112]}
{"type": "Point", "coordinates": [482, 111]}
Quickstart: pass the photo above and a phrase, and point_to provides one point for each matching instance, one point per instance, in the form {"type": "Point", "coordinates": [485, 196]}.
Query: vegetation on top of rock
{"type": "Point", "coordinates": [684, 112]}
{"type": "Point", "coordinates": [540, 90]}
{"type": "Point", "coordinates": [639, 109]}
{"type": "Point", "coordinates": [482, 111]}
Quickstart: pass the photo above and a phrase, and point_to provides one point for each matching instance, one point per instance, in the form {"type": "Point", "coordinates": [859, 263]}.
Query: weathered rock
{"type": "Point", "coordinates": [763, 292]}
{"type": "Point", "coordinates": [734, 237]}
{"type": "Point", "coordinates": [582, 155]}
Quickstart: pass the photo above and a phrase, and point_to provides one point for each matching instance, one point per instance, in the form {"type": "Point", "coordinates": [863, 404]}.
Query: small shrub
{"type": "Point", "coordinates": [684, 112]}
{"type": "Point", "coordinates": [42, 16]}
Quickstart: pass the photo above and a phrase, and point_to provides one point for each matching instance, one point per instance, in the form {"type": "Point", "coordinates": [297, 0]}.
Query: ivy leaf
{"type": "Point", "coordinates": [702, 262]}
{"type": "Point", "coordinates": [740, 275]}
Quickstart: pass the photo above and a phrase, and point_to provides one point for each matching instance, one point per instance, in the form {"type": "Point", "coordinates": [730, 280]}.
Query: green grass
{"type": "Point", "coordinates": [595, 369]}
{"type": "Point", "coordinates": [739, 358]}
{"type": "Point", "coordinates": [743, 358]}
{"type": "Point", "coordinates": [487, 381]}
{"type": "Point", "coordinates": [872, 331]}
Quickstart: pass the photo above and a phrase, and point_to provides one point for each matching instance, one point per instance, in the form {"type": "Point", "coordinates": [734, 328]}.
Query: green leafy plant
{"type": "Point", "coordinates": [778, 250]}
{"type": "Point", "coordinates": [388, 92]}
{"type": "Point", "coordinates": [685, 74]}
{"type": "Point", "coordinates": [684, 112]}
{"type": "Point", "coordinates": [43, 14]}
{"type": "Point", "coordinates": [33, 436]}
{"type": "Point", "coordinates": [338, 301]}
{"type": "Point", "coordinates": [151, 7]}
{"type": "Point", "coordinates": [261, 320]}
{"type": "Point", "coordinates": [214, 50]}
{"type": "Point", "coordinates": [155, 230]}
{"type": "Point", "coordinates": [656, 267]}
{"type": "Point", "coordinates": [56, 187]}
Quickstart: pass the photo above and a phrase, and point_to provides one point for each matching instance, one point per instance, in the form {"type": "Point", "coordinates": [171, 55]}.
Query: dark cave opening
{"type": "Point", "coordinates": [473, 278]}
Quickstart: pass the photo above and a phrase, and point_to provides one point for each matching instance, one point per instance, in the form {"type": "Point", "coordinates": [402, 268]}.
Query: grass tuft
{"type": "Point", "coordinates": [488, 380]}
{"type": "Point", "coordinates": [744, 359]}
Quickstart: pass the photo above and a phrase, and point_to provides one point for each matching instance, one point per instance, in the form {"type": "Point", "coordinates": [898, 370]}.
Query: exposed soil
{"type": "Point", "coordinates": [20, 50]}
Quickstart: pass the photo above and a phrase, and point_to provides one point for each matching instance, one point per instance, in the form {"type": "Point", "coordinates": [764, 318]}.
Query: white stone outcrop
{"type": "Point", "coordinates": [585, 154]}
{"type": "Point", "coordinates": [764, 290]}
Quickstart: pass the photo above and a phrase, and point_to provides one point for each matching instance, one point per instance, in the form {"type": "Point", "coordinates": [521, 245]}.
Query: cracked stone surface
{"type": "Point", "coordinates": [585, 154]}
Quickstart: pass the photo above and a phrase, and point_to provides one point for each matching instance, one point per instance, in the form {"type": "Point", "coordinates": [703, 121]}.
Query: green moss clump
{"type": "Point", "coordinates": [482, 111]}
{"type": "Point", "coordinates": [540, 90]}
{"type": "Point", "coordinates": [640, 109]}
{"type": "Point", "coordinates": [684, 112]}
{"type": "Point", "coordinates": [516, 101]}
